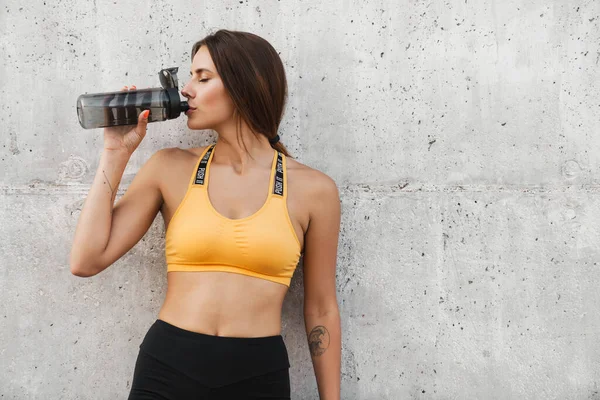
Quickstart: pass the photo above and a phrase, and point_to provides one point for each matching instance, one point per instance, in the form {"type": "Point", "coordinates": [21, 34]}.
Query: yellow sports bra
{"type": "Point", "coordinates": [263, 245]}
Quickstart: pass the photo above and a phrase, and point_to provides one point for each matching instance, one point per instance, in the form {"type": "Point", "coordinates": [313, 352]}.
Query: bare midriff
{"type": "Point", "coordinates": [223, 304]}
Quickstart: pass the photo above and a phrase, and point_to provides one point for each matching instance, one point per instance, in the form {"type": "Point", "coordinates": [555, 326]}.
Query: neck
{"type": "Point", "coordinates": [229, 152]}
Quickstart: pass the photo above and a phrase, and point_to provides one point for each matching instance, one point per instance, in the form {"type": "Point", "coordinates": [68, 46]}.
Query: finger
{"type": "Point", "coordinates": [133, 87]}
{"type": "Point", "coordinates": [142, 122]}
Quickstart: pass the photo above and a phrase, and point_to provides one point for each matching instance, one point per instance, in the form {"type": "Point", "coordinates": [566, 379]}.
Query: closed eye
{"type": "Point", "coordinates": [202, 80]}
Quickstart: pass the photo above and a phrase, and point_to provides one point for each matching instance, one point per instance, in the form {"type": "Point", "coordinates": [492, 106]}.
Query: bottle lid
{"type": "Point", "coordinates": [176, 106]}
{"type": "Point", "coordinates": [168, 77]}
{"type": "Point", "coordinates": [169, 82]}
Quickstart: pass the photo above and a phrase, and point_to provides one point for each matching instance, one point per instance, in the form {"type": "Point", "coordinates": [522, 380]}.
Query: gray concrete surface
{"type": "Point", "coordinates": [463, 136]}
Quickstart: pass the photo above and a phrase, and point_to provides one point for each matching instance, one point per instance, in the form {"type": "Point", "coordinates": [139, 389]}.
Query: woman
{"type": "Point", "coordinates": [238, 215]}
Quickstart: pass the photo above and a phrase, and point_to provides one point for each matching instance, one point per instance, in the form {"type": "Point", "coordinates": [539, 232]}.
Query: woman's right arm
{"type": "Point", "coordinates": [105, 233]}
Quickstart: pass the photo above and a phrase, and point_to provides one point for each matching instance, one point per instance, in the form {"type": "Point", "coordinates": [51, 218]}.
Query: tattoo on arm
{"type": "Point", "coordinates": [112, 192]}
{"type": "Point", "coordinates": [318, 340]}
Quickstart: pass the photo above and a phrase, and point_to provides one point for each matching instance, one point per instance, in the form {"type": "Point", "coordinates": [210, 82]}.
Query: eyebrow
{"type": "Point", "coordinates": [199, 70]}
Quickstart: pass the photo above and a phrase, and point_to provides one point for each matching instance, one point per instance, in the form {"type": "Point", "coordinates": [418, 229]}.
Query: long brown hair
{"type": "Point", "coordinates": [254, 78]}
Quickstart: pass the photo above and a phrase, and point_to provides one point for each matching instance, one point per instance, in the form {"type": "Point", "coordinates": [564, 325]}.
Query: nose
{"type": "Point", "coordinates": [184, 91]}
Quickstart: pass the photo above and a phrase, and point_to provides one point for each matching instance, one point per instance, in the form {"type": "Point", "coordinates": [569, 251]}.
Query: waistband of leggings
{"type": "Point", "coordinates": [175, 330]}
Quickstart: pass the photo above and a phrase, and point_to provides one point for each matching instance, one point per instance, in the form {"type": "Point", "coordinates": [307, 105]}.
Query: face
{"type": "Point", "coordinates": [210, 105]}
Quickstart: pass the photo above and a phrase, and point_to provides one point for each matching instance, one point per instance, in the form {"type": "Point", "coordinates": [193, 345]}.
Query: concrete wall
{"type": "Point", "coordinates": [463, 136]}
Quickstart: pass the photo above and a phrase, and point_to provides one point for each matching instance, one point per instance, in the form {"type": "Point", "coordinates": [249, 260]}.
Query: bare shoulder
{"type": "Point", "coordinates": [166, 154]}
{"type": "Point", "coordinates": [195, 151]}
{"type": "Point", "coordinates": [171, 155]}
{"type": "Point", "coordinates": [172, 162]}
{"type": "Point", "coordinates": [313, 183]}
{"type": "Point", "coordinates": [179, 152]}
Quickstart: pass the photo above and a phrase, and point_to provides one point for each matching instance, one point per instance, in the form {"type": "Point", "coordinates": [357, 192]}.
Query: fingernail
{"type": "Point", "coordinates": [145, 114]}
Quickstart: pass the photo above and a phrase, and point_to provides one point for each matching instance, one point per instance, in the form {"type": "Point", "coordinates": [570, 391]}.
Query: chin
{"type": "Point", "coordinates": [190, 122]}
{"type": "Point", "coordinates": [195, 126]}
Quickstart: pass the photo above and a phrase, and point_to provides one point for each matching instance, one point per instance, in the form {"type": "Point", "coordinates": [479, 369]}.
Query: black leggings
{"type": "Point", "coordinates": [174, 363]}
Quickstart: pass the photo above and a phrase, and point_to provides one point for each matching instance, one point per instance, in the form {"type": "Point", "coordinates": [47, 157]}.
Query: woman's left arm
{"type": "Point", "coordinates": [321, 313]}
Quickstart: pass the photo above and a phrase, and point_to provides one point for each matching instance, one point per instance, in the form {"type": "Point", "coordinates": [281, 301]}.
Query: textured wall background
{"type": "Point", "coordinates": [463, 136]}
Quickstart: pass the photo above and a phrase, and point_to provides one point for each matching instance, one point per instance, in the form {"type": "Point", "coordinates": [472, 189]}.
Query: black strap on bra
{"type": "Point", "coordinates": [277, 184]}
{"type": "Point", "coordinates": [201, 173]}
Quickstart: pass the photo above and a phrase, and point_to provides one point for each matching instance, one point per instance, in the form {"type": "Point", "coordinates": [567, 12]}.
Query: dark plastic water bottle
{"type": "Point", "coordinates": [98, 110]}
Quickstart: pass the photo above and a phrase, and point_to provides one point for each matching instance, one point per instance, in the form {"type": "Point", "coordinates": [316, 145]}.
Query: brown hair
{"type": "Point", "coordinates": [254, 78]}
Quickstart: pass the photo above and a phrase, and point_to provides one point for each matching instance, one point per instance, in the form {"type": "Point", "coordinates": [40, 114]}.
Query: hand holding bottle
{"type": "Point", "coordinates": [126, 138]}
